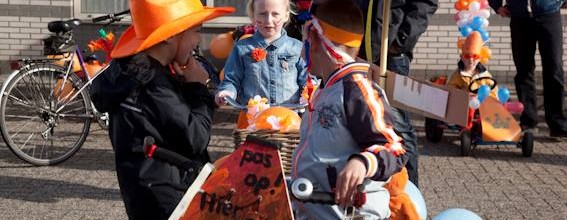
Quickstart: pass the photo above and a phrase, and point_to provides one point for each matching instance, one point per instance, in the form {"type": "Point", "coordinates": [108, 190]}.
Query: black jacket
{"type": "Point", "coordinates": [144, 99]}
{"type": "Point", "coordinates": [519, 8]}
{"type": "Point", "coordinates": [409, 19]}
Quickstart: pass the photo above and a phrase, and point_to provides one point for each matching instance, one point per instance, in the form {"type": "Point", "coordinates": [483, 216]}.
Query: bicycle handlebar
{"type": "Point", "coordinates": [153, 151]}
{"type": "Point", "coordinates": [112, 17]}
{"type": "Point", "coordinates": [230, 101]}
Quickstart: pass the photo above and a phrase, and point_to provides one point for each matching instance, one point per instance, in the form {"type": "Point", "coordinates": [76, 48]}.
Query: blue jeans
{"type": "Point", "coordinates": [402, 124]}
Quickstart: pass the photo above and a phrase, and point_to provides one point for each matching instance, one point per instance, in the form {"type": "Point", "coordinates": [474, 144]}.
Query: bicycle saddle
{"type": "Point", "coordinates": [63, 26]}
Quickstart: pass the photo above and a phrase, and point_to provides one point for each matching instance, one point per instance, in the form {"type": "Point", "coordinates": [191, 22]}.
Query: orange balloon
{"type": "Point", "coordinates": [221, 45]}
{"type": "Point", "coordinates": [461, 5]}
{"type": "Point", "coordinates": [485, 52]}
{"type": "Point", "coordinates": [286, 119]}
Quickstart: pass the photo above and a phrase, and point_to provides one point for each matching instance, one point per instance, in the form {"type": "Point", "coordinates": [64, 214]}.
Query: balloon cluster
{"type": "Point", "coordinates": [503, 96]}
{"type": "Point", "coordinates": [472, 15]}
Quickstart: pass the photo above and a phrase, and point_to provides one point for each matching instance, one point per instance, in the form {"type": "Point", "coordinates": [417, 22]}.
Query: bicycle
{"type": "Point", "coordinates": [45, 107]}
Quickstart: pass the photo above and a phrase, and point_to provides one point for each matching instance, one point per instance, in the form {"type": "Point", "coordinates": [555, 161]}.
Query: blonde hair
{"type": "Point", "coordinates": [250, 9]}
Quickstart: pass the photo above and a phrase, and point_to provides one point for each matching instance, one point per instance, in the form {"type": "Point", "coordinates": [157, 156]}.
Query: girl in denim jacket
{"type": "Point", "coordinates": [267, 64]}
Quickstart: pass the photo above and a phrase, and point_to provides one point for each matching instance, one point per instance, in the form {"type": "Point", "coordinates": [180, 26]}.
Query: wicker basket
{"type": "Point", "coordinates": [287, 140]}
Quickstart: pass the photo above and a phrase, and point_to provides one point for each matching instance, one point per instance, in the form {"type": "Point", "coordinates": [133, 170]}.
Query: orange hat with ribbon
{"type": "Point", "coordinates": [473, 44]}
{"type": "Point", "coordinates": [154, 21]}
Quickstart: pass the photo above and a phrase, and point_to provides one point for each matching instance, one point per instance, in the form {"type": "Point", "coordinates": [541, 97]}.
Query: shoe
{"type": "Point", "coordinates": [558, 134]}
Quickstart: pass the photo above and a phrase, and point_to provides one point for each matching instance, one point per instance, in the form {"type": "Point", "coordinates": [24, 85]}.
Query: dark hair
{"type": "Point", "coordinates": [479, 67]}
{"type": "Point", "coordinates": [343, 14]}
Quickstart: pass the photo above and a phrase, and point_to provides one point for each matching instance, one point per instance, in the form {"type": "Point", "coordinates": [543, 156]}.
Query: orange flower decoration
{"type": "Point", "coordinates": [258, 54]}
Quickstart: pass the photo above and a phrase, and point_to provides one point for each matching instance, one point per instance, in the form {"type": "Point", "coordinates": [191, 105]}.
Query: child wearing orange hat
{"type": "Point", "coordinates": [470, 67]}
{"type": "Point", "coordinates": [154, 87]}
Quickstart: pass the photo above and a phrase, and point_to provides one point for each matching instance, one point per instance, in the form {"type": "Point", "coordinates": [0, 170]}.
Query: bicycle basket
{"type": "Point", "coordinates": [54, 45]}
{"type": "Point", "coordinates": [288, 140]}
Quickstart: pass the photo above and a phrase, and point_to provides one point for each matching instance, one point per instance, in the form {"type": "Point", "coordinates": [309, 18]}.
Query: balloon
{"type": "Point", "coordinates": [483, 4]}
{"type": "Point", "coordinates": [417, 199]}
{"type": "Point", "coordinates": [474, 6]}
{"type": "Point", "coordinates": [474, 103]}
{"type": "Point", "coordinates": [485, 13]}
{"type": "Point", "coordinates": [514, 107]}
{"type": "Point", "coordinates": [464, 14]}
{"type": "Point", "coordinates": [485, 23]}
{"type": "Point", "coordinates": [457, 214]}
{"type": "Point", "coordinates": [461, 5]}
{"type": "Point", "coordinates": [485, 52]}
{"type": "Point", "coordinates": [483, 92]}
{"type": "Point", "coordinates": [503, 94]}
{"type": "Point", "coordinates": [462, 22]}
{"type": "Point", "coordinates": [484, 34]}
{"type": "Point", "coordinates": [477, 22]}
{"type": "Point", "coordinates": [465, 30]}
{"type": "Point", "coordinates": [221, 45]}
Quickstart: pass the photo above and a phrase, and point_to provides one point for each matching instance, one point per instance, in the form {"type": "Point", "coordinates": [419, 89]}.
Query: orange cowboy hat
{"type": "Point", "coordinates": [154, 21]}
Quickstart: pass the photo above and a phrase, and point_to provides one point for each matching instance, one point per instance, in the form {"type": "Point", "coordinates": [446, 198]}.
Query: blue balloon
{"type": "Point", "coordinates": [465, 30]}
{"type": "Point", "coordinates": [503, 94]}
{"type": "Point", "coordinates": [477, 22]}
{"type": "Point", "coordinates": [457, 214]}
{"type": "Point", "coordinates": [417, 199]}
{"type": "Point", "coordinates": [484, 34]}
{"type": "Point", "coordinates": [482, 93]}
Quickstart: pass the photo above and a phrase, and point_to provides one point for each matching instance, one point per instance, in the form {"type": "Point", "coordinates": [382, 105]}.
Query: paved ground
{"type": "Point", "coordinates": [496, 182]}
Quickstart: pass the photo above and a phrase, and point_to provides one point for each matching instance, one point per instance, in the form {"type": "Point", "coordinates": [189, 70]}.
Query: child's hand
{"type": "Point", "coordinates": [348, 180]}
{"type": "Point", "coordinates": [193, 71]}
{"type": "Point", "coordinates": [219, 97]}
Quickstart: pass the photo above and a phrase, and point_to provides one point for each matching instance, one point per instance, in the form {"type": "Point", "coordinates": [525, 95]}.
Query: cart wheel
{"type": "Point", "coordinates": [433, 132]}
{"type": "Point", "coordinates": [466, 143]}
{"type": "Point", "coordinates": [527, 144]}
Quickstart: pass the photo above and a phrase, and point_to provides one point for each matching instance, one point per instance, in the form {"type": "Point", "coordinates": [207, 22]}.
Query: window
{"type": "Point", "coordinates": [87, 9]}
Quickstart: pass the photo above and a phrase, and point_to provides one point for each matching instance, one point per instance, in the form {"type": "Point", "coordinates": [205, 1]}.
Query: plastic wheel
{"type": "Point", "coordinates": [433, 132]}
{"type": "Point", "coordinates": [466, 143]}
{"type": "Point", "coordinates": [43, 120]}
{"type": "Point", "coordinates": [527, 144]}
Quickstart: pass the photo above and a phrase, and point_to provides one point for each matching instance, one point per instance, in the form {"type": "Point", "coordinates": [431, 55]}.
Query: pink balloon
{"type": "Point", "coordinates": [514, 107]}
{"type": "Point", "coordinates": [483, 4]}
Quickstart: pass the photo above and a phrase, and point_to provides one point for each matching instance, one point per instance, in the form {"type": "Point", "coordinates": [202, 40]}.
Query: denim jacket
{"type": "Point", "coordinates": [280, 77]}
{"type": "Point", "coordinates": [519, 8]}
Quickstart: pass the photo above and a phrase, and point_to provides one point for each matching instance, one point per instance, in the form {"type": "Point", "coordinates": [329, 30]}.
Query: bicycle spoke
{"type": "Point", "coordinates": [21, 128]}
{"type": "Point", "coordinates": [21, 102]}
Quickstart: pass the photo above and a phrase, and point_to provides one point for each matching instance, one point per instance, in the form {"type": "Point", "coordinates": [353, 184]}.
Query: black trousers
{"type": "Point", "coordinates": [547, 32]}
{"type": "Point", "coordinates": [402, 123]}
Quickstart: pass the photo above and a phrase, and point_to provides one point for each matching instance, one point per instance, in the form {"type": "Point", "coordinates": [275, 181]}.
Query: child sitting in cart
{"type": "Point", "coordinates": [470, 70]}
{"type": "Point", "coordinates": [469, 67]}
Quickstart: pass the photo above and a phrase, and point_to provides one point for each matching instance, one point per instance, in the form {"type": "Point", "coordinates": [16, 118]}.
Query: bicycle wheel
{"type": "Point", "coordinates": [38, 126]}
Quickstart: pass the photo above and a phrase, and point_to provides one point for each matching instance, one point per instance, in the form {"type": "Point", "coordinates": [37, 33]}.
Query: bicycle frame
{"type": "Point", "coordinates": [87, 74]}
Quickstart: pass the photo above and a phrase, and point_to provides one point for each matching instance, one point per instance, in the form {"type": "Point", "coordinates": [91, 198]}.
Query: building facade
{"type": "Point", "coordinates": [23, 25]}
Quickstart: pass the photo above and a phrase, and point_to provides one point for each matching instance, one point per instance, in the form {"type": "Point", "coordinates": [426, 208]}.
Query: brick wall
{"type": "Point", "coordinates": [23, 25]}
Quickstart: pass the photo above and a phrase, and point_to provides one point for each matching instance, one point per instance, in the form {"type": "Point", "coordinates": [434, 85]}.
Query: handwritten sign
{"type": "Point", "coordinates": [248, 184]}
